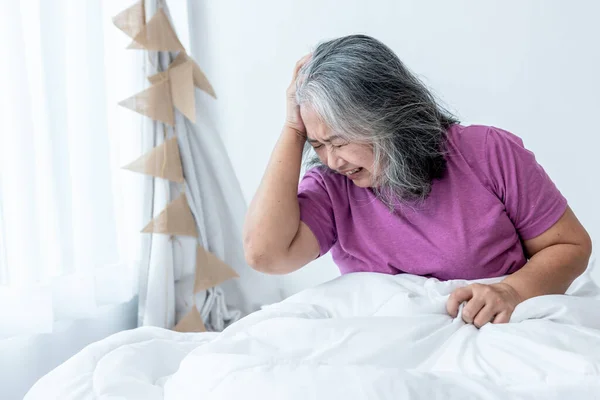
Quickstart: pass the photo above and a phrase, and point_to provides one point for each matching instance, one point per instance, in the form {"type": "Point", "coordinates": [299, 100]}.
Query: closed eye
{"type": "Point", "coordinates": [334, 146]}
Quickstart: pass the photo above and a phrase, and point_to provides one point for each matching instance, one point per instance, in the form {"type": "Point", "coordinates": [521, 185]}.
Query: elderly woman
{"type": "Point", "coordinates": [402, 187]}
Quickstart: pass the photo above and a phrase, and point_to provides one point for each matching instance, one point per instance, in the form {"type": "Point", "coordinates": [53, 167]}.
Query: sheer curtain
{"type": "Point", "coordinates": [69, 216]}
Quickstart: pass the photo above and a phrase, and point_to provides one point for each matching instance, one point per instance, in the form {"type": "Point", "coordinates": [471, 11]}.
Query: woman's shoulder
{"type": "Point", "coordinates": [480, 136]}
{"type": "Point", "coordinates": [476, 142]}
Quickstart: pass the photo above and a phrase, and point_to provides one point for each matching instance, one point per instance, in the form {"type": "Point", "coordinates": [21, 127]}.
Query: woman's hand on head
{"type": "Point", "coordinates": [293, 118]}
{"type": "Point", "coordinates": [485, 303]}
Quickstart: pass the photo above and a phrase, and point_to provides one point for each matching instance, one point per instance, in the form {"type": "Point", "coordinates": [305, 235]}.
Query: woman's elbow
{"type": "Point", "coordinates": [266, 265]}
{"type": "Point", "coordinates": [586, 248]}
{"type": "Point", "coordinates": [583, 253]}
{"type": "Point", "coordinates": [259, 258]}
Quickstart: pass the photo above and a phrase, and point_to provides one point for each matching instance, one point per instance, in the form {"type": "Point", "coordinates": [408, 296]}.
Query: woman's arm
{"type": "Point", "coordinates": [275, 240]}
{"type": "Point", "coordinates": [556, 258]}
{"type": "Point", "coordinates": [558, 251]}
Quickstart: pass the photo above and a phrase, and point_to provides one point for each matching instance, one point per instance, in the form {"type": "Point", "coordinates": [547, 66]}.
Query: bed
{"type": "Point", "coordinates": [359, 336]}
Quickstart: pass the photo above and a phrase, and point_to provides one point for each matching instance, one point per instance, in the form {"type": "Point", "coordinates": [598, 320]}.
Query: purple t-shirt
{"type": "Point", "coordinates": [493, 195]}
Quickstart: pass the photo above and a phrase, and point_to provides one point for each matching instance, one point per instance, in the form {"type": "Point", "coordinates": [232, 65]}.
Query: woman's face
{"type": "Point", "coordinates": [350, 159]}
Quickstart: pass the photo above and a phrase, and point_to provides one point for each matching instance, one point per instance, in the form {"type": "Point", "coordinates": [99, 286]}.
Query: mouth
{"type": "Point", "coordinates": [352, 172]}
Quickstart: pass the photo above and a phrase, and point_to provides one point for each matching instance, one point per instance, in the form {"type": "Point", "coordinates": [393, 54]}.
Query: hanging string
{"type": "Point", "coordinates": [175, 136]}
{"type": "Point", "coordinates": [164, 167]}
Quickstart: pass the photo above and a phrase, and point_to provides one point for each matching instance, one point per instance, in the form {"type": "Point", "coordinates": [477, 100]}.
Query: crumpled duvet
{"type": "Point", "coordinates": [360, 336]}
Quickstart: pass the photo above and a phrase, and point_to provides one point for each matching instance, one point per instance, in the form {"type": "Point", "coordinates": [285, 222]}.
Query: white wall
{"type": "Point", "coordinates": [527, 66]}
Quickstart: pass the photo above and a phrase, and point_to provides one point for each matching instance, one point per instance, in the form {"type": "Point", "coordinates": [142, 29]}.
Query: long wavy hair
{"type": "Point", "coordinates": [365, 94]}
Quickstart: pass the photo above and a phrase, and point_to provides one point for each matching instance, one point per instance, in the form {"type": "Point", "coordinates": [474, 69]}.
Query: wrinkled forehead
{"type": "Point", "coordinates": [316, 129]}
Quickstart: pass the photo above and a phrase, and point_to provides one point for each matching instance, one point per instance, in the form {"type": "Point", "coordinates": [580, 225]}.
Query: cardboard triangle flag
{"type": "Point", "coordinates": [181, 80]}
{"type": "Point", "coordinates": [162, 161]}
{"type": "Point", "coordinates": [154, 102]}
{"type": "Point", "coordinates": [210, 271]}
{"type": "Point", "coordinates": [182, 89]}
{"type": "Point", "coordinates": [191, 322]}
{"type": "Point", "coordinates": [131, 20]}
{"type": "Point", "coordinates": [175, 219]}
{"type": "Point", "coordinates": [157, 35]}
{"type": "Point", "coordinates": [200, 80]}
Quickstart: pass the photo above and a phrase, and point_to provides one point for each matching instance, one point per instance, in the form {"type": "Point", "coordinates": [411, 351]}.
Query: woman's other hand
{"type": "Point", "coordinates": [293, 118]}
{"type": "Point", "coordinates": [485, 303]}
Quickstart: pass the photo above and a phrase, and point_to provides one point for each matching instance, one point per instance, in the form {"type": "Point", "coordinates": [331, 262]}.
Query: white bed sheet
{"type": "Point", "coordinates": [360, 336]}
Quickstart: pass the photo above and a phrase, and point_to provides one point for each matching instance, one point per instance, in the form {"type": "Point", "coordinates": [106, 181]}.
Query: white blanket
{"type": "Point", "coordinates": [361, 336]}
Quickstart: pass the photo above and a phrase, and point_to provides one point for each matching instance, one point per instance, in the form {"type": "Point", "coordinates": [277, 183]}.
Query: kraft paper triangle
{"type": "Point", "coordinates": [180, 76]}
{"type": "Point", "coordinates": [131, 20]}
{"type": "Point", "coordinates": [182, 90]}
{"type": "Point", "coordinates": [157, 35]}
{"type": "Point", "coordinates": [210, 271]}
{"type": "Point", "coordinates": [163, 161]}
{"type": "Point", "coordinates": [175, 219]}
{"type": "Point", "coordinates": [200, 80]}
{"type": "Point", "coordinates": [191, 322]}
{"type": "Point", "coordinates": [154, 102]}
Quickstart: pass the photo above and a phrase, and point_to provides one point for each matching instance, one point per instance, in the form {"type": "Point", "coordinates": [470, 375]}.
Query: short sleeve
{"type": "Point", "coordinates": [316, 209]}
{"type": "Point", "coordinates": [532, 200]}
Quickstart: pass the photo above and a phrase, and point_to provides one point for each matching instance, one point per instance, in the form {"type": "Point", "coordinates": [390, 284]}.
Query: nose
{"type": "Point", "coordinates": [333, 161]}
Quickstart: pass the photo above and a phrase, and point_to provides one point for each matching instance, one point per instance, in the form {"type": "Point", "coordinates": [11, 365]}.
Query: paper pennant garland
{"type": "Point", "coordinates": [170, 89]}
{"type": "Point", "coordinates": [131, 20]}
{"type": "Point", "coordinates": [191, 322]}
{"type": "Point", "coordinates": [210, 271]}
{"type": "Point", "coordinates": [157, 35]}
{"type": "Point", "coordinates": [200, 80]}
{"type": "Point", "coordinates": [175, 219]}
{"type": "Point", "coordinates": [163, 161]}
{"type": "Point", "coordinates": [154, 102]}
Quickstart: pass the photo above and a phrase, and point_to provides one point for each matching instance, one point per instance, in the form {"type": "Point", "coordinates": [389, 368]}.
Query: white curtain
{"type": "Point", "coordinates": [216, 201]}
{"type": "Point", "coordinates": [69, 215]}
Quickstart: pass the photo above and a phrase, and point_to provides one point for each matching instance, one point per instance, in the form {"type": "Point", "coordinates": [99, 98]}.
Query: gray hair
{"type": "Point", "coordinates": [364, 93]}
